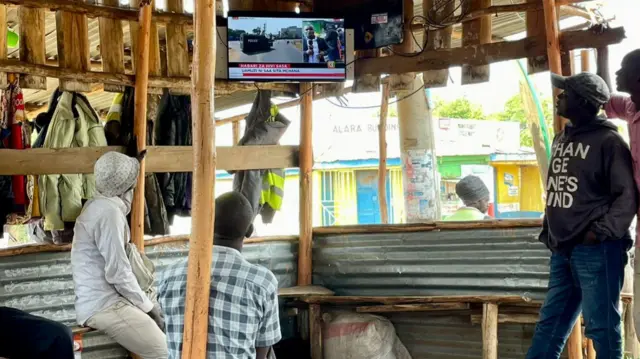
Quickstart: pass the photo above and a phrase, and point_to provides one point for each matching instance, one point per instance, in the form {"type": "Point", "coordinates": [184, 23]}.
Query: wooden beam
{"type": "Point", "coordinates": [536, 28]}
{"type": "Point", "coordinates": [177, 49]}
{"type": "Point", "coordinates": [315, 331]}
{"type": "Point", "coordinates": [585, 61]}
{"type": "Point", "coordinates": [553, 50]}
{"type": "Point", "coordinates": [414, 299]}
{"type": "Point", "coordinates": [306, 194]}
{"type": "Point", "coordinates": [426, 227]}
{"type": "Point", "coordinates": [487, 53]}
{"type": "Point", "coordinates": [196, 318]}
{"type": "Point", "coordinates": [489, 331]}
{"type": "Point", "coordinates": [436, 40]}
{"type": "Point", "coordinates": [425, 307]}
{"type": "Point", "coordinates": [591, 351]}
{"type": "Point", "coordinates": [111, 46]}
{"type": "Point", "coordinates": [236, 132]}
{"type": "Point", "coordinates": [476, 32]}
{"type": "Point", "coordinates": [32, 50]}
{"type": "Point", "coordinates": [73, 47]}
{"type": "Point", "coordinates": [140, 119]}
{"type": "Point", "coordinates": [511, 318]}
{"type": "Point", "coordinates": [159, 159]}
{"type": "Point", "coordinates": [382, 161]}
{"type": "Point", "coordinates": [223, 87]}
{"type": "Point", "coordinates": [3, 45]}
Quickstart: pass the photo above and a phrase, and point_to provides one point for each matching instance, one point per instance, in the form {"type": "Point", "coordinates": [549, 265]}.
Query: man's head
{"type": "Point", "coordinates": [628, 77]}
{"type": "Point", "coordinates": [473, 193]}
{"type": "Point", "coordinates": [116, 175]}
{"type": "Point", "coordinates": [309, 32]}
{"type": "Point", "coordinates": [583, 96]}
{"type": "Point", "coordinates": [234, 219]}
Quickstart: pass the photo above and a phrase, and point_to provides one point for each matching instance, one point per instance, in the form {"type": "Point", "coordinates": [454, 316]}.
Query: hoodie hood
{"type": "Point", "coordinates": [597, 124]}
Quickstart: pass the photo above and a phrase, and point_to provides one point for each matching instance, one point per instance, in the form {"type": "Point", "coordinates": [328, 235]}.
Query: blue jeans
{"type": "Point", "coordinates": [589, 279]}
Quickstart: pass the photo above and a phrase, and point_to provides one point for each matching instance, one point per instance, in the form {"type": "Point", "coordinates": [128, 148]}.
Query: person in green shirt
{"type": "Point", "coordinates": [475, 196]}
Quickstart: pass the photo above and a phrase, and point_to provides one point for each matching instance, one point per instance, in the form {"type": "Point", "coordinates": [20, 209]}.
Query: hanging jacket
{"type": "Point", "coordinates": [173, 128]}
{"type": "Point", "coordinates": [119, 132]}
{"type": "Point", "coordinates": [264, 189]}
{"type": "Point", "coordinates": [12, 117]}
{"type": "Point", "coordinates": [73, 124]}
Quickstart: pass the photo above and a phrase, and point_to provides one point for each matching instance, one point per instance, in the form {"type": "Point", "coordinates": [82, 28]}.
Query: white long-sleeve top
{"type": "Point", "coordinates": [101, 270]}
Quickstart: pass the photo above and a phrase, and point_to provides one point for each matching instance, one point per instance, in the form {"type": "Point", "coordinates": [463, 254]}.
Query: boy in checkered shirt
{"type": "Point", "coordinates": [243, 305]}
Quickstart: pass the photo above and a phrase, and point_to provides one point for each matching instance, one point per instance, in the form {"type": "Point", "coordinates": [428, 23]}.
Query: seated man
{"type": "Point", "coordinates": [108, 295]}
{"type": "Point", "coordinates": [475, 196]}
{"type": "Point", "coordinates": [243, 307]}
{"type": "Point", "coordinates": [591, 201]}
{"type": "Point", "coordinates": [23, 335]}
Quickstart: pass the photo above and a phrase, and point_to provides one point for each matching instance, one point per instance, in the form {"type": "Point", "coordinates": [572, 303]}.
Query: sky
{"type": "Point", "coordinates": [274, 25]}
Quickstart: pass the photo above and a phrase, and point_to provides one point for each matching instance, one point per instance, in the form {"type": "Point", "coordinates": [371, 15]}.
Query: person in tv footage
{"type": "Point", "coordinates": [314, 48]}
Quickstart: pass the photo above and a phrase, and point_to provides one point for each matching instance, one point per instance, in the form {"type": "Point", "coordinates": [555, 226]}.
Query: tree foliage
{"type": "Point", "coordinates": [514, 111]}
{"type": "Point", "coordinates": [460, 108]}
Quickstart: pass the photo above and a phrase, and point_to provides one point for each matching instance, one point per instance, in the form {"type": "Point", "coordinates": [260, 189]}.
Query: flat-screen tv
{"type": "Point", "coordinates": [286, 47]}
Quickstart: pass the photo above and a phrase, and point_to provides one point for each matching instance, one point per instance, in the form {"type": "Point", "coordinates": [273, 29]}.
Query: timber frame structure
{"type": "Point", "coordinates": [184, 71]}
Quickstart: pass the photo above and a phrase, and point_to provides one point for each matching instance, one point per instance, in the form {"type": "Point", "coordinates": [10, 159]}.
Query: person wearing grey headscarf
{"type": "Point", "coordinates": [475, 196]}
{"type": "Point", "coordinates": [108, 295]}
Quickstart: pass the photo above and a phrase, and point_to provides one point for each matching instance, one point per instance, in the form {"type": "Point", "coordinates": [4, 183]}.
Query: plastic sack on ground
{"type": "Point", "coordinates": [361, 336]}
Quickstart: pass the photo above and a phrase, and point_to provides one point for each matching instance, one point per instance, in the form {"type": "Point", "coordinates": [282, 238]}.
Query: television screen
{"type": "Point", "coordinates": [280, 48]}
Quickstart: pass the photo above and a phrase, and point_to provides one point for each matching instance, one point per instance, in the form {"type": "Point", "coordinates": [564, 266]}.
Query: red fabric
{"type": "Point", "coordinates": [18, 182]}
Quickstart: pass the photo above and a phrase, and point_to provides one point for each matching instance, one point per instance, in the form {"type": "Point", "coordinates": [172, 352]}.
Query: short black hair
{"type": "Point", "coordinates": [234, 216]}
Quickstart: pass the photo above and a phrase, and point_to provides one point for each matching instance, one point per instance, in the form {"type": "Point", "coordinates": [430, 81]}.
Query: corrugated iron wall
{"type": "Point", "coordinates": [454, 337]}
{"type": "Point", "coordinates": [41, 283]}
{"type": "Point", "coordinates": [446, 262]}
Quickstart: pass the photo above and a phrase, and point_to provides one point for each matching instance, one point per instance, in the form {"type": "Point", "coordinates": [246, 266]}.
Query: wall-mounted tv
{"type": "Point", "coordinates": [283, 47]}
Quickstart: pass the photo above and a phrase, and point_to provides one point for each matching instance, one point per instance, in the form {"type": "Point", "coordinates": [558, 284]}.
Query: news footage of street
{"type": "Point", "coordinates": [286, 41]}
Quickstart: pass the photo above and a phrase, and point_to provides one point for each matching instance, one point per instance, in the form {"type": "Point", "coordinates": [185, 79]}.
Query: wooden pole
{"type": "Point", "coordinates": [236, 132]}
{"type": "Point", "coordinates": [32, 45]}
{"type": "Point", "coordinates": [553, 50]}
{"type": "Point", "coordinates": [591, 351]}
{"type": "Point", "coordinates": [585, 63]}
{"type": "Point", "coordinates": [3, 44]}
{"type": "Point", "coordinates": [490, 331]}
{"type": "Point", "coordinates": [306, 166]}
{"type": "Point", "coordinates": [196, 319]}
{"type": "Point", "coordinates": [315, 331]}
{"type": "Point", "coordinates": [382, 144]}
{"type": "Point", "coordinates": [140, 119]}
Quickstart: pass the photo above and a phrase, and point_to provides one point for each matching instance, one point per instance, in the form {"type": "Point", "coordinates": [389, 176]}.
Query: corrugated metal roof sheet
{"type": "Point", "coordinates": [42, 284]}
{"type": "Point", "coordinates": [454, 337]}
{"type": "Point", "coordinates": [460, 262]}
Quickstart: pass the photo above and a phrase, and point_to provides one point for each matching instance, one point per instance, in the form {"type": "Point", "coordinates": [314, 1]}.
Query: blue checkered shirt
{"type": "Point", "coordinates": [243, 306]}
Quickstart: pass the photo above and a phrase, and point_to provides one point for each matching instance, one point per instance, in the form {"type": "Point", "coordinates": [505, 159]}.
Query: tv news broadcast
{"type": "Point", "coordinates": [286, 49]}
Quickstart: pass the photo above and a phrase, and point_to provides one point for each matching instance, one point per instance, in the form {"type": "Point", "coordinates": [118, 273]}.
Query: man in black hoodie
{"type": "Point", "coordinates": [591, 201]}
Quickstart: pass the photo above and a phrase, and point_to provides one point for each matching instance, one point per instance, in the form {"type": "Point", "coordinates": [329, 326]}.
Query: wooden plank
{"type": "Point", "coordinates": [364, 83]}
{"type": "Point", "coordinates": [382, 159]}
{"type": "Point", "coordinates": [487, 53]}
{"type": "Point", "coordinates": [436, 40]}
{"type": "Point", "coordinates": [414, 299]}
{"type": "Point", "coordinates": [315, 331]}
{"type": "Point", "coordinates": [536, 28]}
{"type": "Point", "coordinates": [553, 50]}
{"type": "Point", "coordinates": [490, 331]}
{"type": "Point", "coordinates": [177, 49]}
{"type": "Point", "coordinates": [32, 49]}
{"type": "Point", "coordinates": [476, 32]}
{"type": "Point", "coordinates": [297, 292]}
{"type": "Point", "coordinates": [3, 44]}
{"type": "Point", "coordinates": [159, 159]}
{"type": "Point", "coordinates": [585, 60]}
{"type": "Point", "coordinates": [404, 81]}
{"type": "Point", "coordinates": [73, 48]}
{"type": "Point", "coordinates": [236, 132]}
{"type": "Point", "coordinates": [591, 351]}
{"type": "Point", "coordinates": [426, 307]}
{"type": "Point", "coordinates": [306, 191]}
{"type": "Point", "coordinates": [513, 318]}
{"type": "Point", "coordinates": [111, 46]}
{"type": "Point", "coordinates": [223, 87]}
{"type": "Point", "coordinates": [140, 119]}
{"type": "Point", "coordinates": [196, 318]}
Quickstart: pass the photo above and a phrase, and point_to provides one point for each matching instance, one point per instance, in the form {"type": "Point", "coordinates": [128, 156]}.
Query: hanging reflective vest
{"type": "Point", "coordinates": [272, 188]}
